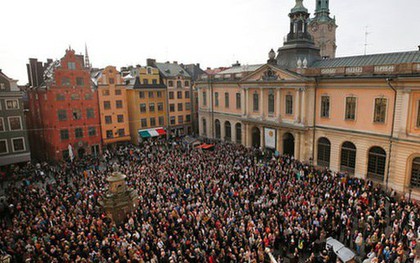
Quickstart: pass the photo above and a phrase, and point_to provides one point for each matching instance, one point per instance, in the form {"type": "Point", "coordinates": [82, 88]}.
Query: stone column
{"type": "Point", "coordinates": [303, 107]}
{"type": "Point", "coordinates": [278, 107]}
{"type": "Point", "coordinates": [297, 106]}
{"type": "Point", "coordinates": [297, 145]}
{"type": "Point", "coordinates": [405, 108]}
{"type": "Point", "coordinates": [244, 100]}
{"type": "Point", "coordinates": [262, 135]}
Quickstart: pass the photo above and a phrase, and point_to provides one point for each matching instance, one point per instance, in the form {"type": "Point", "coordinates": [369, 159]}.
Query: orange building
{"type": "Point", "coordinates": [112, 106]}
{"type": "Point", "coordinates": [147, 106]}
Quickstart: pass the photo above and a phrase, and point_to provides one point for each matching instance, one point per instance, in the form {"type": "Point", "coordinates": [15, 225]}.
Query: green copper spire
{"type": "Point", "coordinates": [299, 7]}
{"type": "Point", "coordinates": [322, 8]}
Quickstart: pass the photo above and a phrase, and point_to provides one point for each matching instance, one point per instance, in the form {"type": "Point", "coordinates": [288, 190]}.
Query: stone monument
{"type": "Point", "coordinates": [119, 199]}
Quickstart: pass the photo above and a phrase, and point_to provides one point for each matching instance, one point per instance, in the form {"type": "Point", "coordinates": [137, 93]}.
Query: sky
{"type": "Point", "coordinates": [213, 33]}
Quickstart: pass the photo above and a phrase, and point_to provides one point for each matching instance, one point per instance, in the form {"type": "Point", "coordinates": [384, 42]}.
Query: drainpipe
{"type": "Point", "coordinates": [391, 138]}
{"type": "Point", "coordinates": [314, 122]}
{"type": "Point", "coordinates": [211, 102]}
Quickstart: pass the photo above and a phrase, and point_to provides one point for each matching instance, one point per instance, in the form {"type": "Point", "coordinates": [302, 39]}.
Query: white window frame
{"type": "Point", "coordinates": [355, 110]}
{"type": "Point", "coordinates": [18, 106]}
{"type": "Point", "coordinates": [329, 107]}
{"type": "Point", "coordinates": [21, 124]}
{"type": "Point", "coordinates": [386, 110]}
{"type": "Point", "coordinates": [7, 147]}
{"type": "Point", "coordinates": [13, 145]}
{"type": "Point", "coordinates": [4, 127]}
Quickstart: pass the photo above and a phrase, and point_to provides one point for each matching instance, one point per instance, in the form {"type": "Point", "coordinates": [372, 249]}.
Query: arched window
{"type": "Point", "coordinates": [324, 152]}
{"type": "Point", "coordinates": [348, 157]}
{"type": "Point", "coordinates": [228, 132]}
{"type": "Point", "coordinates": [271, 102]}
{"type": "Point", "coordinates": [204, 130]}
{"type": "Point", "coordinates": [238, 129]}
{"type": "Point", "coordinates": [217, 124]}
{"type": "Point", "coordinates": [376, 163]}
{"type": "Point", "coordinates": [415, 173]}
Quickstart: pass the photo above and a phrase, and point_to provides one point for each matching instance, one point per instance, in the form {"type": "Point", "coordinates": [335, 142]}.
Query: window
{"type": "Point", "coordinates": [118, 92]}
{"type": "Point", "coordinates": [71, 65]}
{"type": "Point", "coordinates": [348, 157]}
{"type": "Point", "coordinates": [324, 152]}
{"type": "Point", "coordinates": [12, 104]}
{"type": "Point", "coordinates": [143, 107]}
{"type": "Point", "coordinates": [152, 122]}
{"type": "Point", "coordinates": [65, 81]}
{"type": "Point", "coordinates": [59, 97]}
{"type": "Point", "coordinates": [159, 94]}
{"type": "Point", "coordinates": [228, 132]}
{"type": "Point", "coordinates": [170, 83]}
{"type": "Point", "coordinates": [188, 118]}
{"type": "Point", "coordinates": [238, 101]}
{"type": "Point", "coordinates": [141, 94]}
{"type": "Point", "coordinates": [179, 84]}
{"type": "Point", "coordinates": [179, 106]}
{"type": "Point", "coordinates": [179, 94]}
{"type": "Point", "coordinates": [255, 102]}
{"type": "Point", "coordinates": [119, 104]}
{"type": "Point", "coordinates": [120, 118]}
{"type": "Point", "coordinates": [143, 123]}
{"type": "Point", "coordinates": [77, 114]}
{"type": "Point", "coordinates": [218, 132]}
{"type": "Point", "coordinates": [15, 123]}
{"type": "Point", "coordinates": [90, 114]}
{"type": "Point", "coordinates": [350, 108]}
{"type": "Point", "coordinates": [325, 106]}
{"type": "Point", "coordinates": [160, 106]}
{"type": "Point", "coordinates": [418, 114]}
{"type": "Point", "coordinates": [107, 105]}
{"type": "Point", "coordinates": [204, 98]}
{"type": "Point", "coordinates": [226, 99]}
{"type": "Point", "coordinates": [151, 107]}
{"type": "Point", "coordinates": [171, 95]}
{"type": "Point", "coordinates": [2, 128]}
{"type": "Point", "coordinates": [79, 132]}
{"type": "Point", "coordinates": [145, 81]}
{"type": "Point", "coordinates": [187, 94]}
{"type": "Point", "coordinates": [187, 106]}
{"type": "Point", "coordinates": [271, 102]}
{"type": "Point", "coordinates": [289, 104]}
{"type": "Point", "coordinates": [80, 81]}
{"type": "Point", "coordinates": [3, 147]}
{"type": "Point", "coordinates": [121, 132]}
{"type": "Point", "coordinates": [64, 134]}
{"type": "Point", "coordinates": [154, 81]}
{"type": "Point", "coordinates": [92, 131]}
{"type": "Point", "coordinates": [18, 144]}
{"type": "Point", "coordinates": [105, 92]}
{"type": "Point", "coordinates": [216, 97]}
{"type": "Point", "coordinates": [172, 107]}
{"type": "Point", "coordinates": [108, 119]}
{"type": "Point", "coordinates": [88, 96]}
{"type": "Point", "coordinates": [376, 163]}
{"type": "Point", "coordinates": [172, 119]}
{"type": "Point", "coordinates": [204, 127]}
{"type": "Point", "coordinates": [111, 81]}
{"type": "Point", "coordinates": [75, 96]}
{"type": "Point", "coordinates": [2, 86]}
{"type": "Point", "coordinates": [161, 120]}
{"type": "Point", "coordinates": [415, 173]}
{"type": "Point", "coordinates": [180, 119]}
{"type": "Point", "coordinates": [109, 134]}
{"type": "Point", "coordinates": [380, 110]}
{"type": "Point", "coordinates": [151, 95]}
{"type": "Point", "coordinates": [238, 129]}
{"type": "Point", "coordinates": [187, 83]}
{"type": "Point", "coordinates": [149, 70]}
{"type": "Point", "coordinates": [62, 115]}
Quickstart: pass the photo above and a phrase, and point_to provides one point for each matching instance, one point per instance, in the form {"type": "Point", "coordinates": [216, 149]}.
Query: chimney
{"type": "Point", "coordinates": [151, 62]}
{"type": "Point", "coordinates": [419, 47]}
{"type": "Point", "coordinates": [176, 62]}
{"type": "Point", "coordinates": [198, 65]}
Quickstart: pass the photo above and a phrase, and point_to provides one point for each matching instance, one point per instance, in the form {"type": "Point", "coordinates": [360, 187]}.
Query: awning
{"type": "Point", "coordinates": [161, 131]}
{"type": "Point", "coordinates": [144, 134]}
{"type": "Point", "coordinates": [207, 146]}
{"type": "Point", "coordinates": [152, 132]}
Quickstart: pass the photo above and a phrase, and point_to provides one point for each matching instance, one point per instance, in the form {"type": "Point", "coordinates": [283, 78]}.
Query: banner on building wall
{"type": "Point", "coordinates": [270, 138]}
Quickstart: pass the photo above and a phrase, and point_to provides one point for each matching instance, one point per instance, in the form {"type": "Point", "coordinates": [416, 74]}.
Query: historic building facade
{"type": "Point", "coordinates": [112, 106]}
{"type": "Point", "coordinates": [359, 115]}
{"type": "Point", "coordinates": [63, 112]}
{"type": "Point", "coordinates": [14, 144]}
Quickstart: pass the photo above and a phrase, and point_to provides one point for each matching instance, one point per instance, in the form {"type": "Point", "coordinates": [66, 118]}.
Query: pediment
{"type": "Point", "coordinates": [267, 73]}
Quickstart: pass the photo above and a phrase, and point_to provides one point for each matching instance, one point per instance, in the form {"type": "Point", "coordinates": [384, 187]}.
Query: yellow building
{"type": "Point", "coordinates": [147, 105]}
{"type": "Point", "coordinates": [179, 88]}
{"type": "Point", "coordinates": [112, 106]}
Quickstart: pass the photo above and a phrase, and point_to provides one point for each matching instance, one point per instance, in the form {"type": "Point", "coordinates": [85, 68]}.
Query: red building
{"type": "Point", "coordinates": [63, 110]}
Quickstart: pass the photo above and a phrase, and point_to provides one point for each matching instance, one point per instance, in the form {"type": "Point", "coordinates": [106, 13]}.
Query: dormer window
{"type": "Point", "coordinates": [71, 65]}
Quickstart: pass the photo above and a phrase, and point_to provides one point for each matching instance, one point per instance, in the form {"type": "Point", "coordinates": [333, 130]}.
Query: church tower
{"type": "Point", "coordinates": [298, 50]}
{"type": "Point", "coordinates": [323, 28]}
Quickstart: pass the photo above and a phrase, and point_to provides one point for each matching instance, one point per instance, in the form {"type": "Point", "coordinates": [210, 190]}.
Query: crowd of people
{"type": "Point", "coordinates": [224, 205]}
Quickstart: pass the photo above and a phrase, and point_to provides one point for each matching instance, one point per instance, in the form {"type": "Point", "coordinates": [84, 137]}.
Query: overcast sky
{"type": "Point", "coordinates": [213, 33]}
